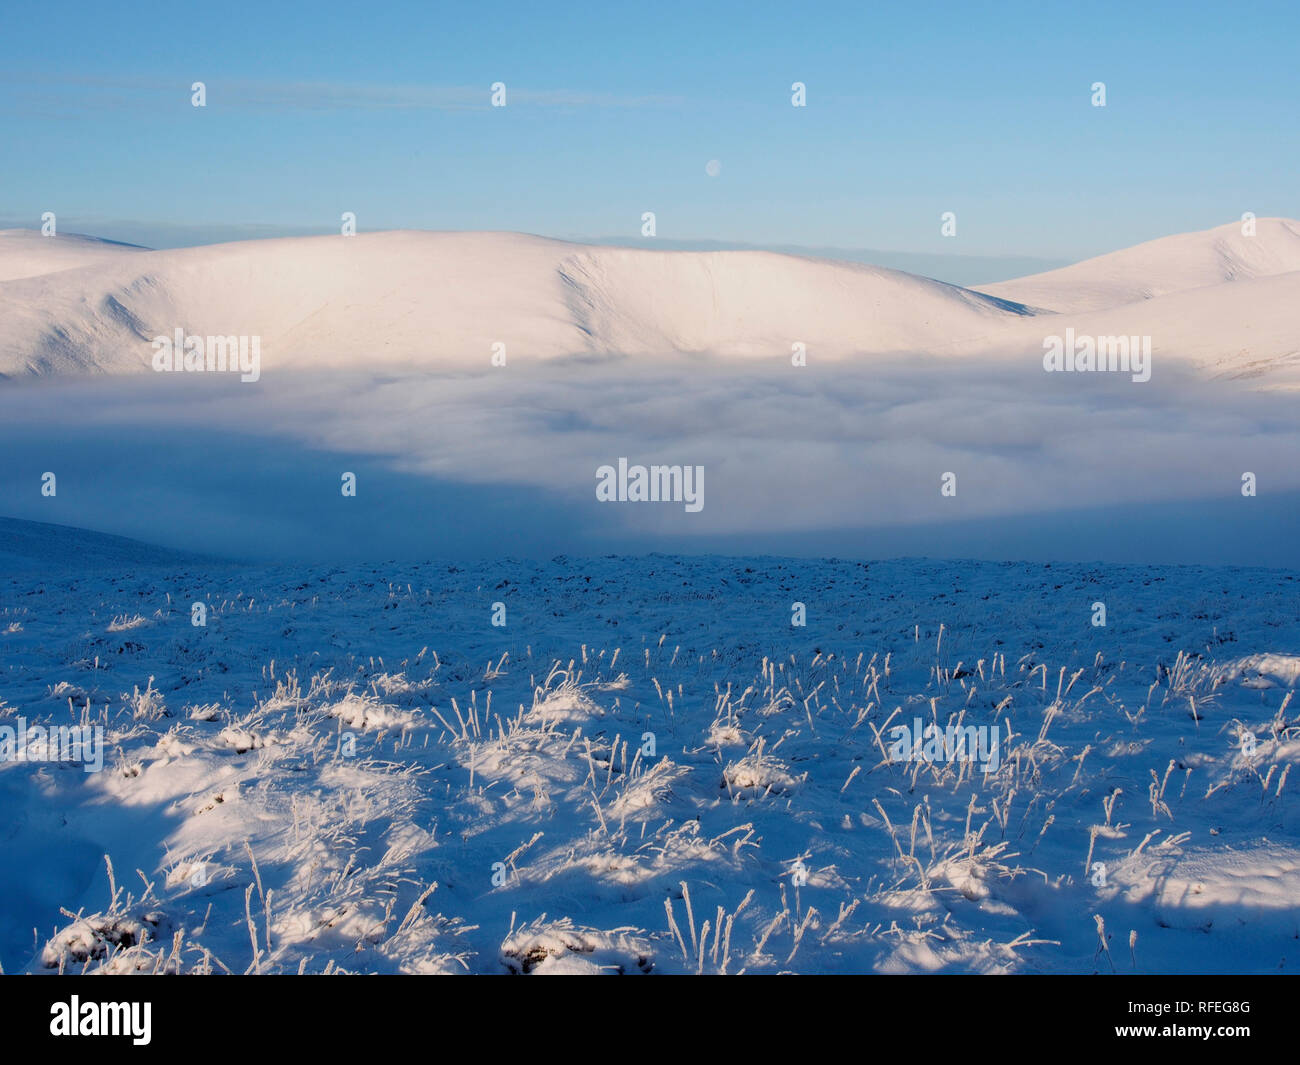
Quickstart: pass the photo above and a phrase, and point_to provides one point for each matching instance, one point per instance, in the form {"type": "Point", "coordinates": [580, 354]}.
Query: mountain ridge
{"type": "Point", "coordinates": [418, 300]}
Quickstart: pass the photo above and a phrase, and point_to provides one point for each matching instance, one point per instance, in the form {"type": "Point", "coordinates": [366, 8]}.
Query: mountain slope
{"type": "Point", "coordinates": [39, 545]}
{"type": "Point", "coordinates": [25, 253]}
{"type": "Point", "coordinates": [1235, 329]}
{"type": "Point", "coordinates": [1171, 264]}
{"type": "Point", "coordinates": [412, 300]}
{"type": "Point", "coordinates": [415, 299]}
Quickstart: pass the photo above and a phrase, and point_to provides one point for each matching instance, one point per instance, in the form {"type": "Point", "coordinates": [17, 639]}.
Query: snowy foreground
{"type": "Point", "coordinates": [648, 769]}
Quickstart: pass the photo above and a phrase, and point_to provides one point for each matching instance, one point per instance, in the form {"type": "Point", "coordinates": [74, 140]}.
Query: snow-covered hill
{"type": "Point", "coordinates": [417, 300]}
{"type": "Point", "coordinates": [1248, 328]}
{"type": "Point", "coordinates": [26, 253]}
{"type": "Point", "coordinates": [413, 299]}
{"type": "Point", "coordinates": [38, 545]}
{"type": "Point", "coordinates": [1160, 267]}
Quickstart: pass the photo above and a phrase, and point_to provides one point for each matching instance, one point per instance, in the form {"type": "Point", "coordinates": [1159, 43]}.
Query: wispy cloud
{"type": "Point", "coordinates": [78, 94]}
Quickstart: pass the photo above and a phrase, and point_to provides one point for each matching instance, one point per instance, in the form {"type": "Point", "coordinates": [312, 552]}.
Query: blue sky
{"type": "Point", "coordinates": [615, 109]}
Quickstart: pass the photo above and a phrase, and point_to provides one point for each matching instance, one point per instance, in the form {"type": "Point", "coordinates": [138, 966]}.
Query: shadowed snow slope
{"type": "Point", "coordinates": [437, 299]}
{"type": "Point", "coordinates": [38, 545]}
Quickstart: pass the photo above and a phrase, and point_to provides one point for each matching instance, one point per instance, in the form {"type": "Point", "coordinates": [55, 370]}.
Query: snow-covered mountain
{"type": "Point", "coordinates": [26, 253]}
{"type": "Point", "coordinates": [419, 300]}
{"type": "Point", "coordinates": [414, 299]}
{"type": "Point", "coordinates": [1180, 263]}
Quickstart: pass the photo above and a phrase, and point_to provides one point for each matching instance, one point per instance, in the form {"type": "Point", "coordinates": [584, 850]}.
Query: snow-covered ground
{"type": "Point", "coordinates": [647, 767]}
